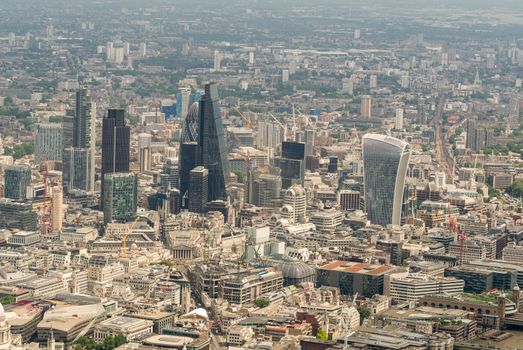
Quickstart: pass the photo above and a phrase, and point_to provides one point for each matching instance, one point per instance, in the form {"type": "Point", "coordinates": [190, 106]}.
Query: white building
{"type": "Point", "coordinates": [405, 287]}
{"type": "Point", "coordinates": [131, 328]}
{"type": "Point", "coordinates": [239, 335]}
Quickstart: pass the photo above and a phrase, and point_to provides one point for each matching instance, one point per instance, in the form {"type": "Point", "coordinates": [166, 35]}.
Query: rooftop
{"type": "Point", "coordinates": [358, 268]}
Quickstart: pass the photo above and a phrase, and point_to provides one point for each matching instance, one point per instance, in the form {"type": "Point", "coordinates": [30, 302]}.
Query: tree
{"type": "Point", "coordinates": [364, 313]}
{"type": "Point", "coordinates": [262, 302]}
{"type": "Point", "coordinates": [322, 335]}
{"type": "Point", "coordinates": [516, 190]}
{"type": "Point", "coordinates": [56, 119]}
{"type": "Point", "coordinates": [7, 300]}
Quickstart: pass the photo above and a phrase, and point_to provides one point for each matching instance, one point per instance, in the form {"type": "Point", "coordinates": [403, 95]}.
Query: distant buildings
{"type": "Point", "coordinates": [366, 107]}
{"type": "Point", "coordinates": [292, 163]}
{"type": "Point", "coordinates": [385, 162]}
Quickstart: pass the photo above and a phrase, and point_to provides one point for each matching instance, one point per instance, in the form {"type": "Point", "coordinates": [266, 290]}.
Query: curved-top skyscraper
{"type": "Point", "coordinates": [385, 162]}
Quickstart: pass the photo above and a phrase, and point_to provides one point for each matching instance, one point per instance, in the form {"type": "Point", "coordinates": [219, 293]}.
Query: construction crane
{"type": "Point", "coordinates": [46, 209]}
{"type": "Point", "coordinates": [124, 238]}
{"type": "Point", "coordinates": [462, 238]}
{"type": "Point", "coordinates": [247, 121]}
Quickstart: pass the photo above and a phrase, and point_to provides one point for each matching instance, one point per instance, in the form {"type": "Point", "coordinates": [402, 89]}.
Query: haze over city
{"type": "Point", "coordinates": [255, 175]}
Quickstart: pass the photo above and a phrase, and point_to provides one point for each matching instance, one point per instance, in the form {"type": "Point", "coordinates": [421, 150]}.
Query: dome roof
{"type": "Point", "coordinates": [296, 270]}
{"type": "Point", "coordinates": [295, 191]}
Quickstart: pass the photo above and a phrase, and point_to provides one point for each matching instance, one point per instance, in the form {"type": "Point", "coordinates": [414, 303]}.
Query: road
{"type": "Point", "coordinates": [443, 158]}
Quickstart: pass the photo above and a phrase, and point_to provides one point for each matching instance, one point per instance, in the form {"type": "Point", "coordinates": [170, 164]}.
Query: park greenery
{"type": "Point", "coordinates": [109, 343]}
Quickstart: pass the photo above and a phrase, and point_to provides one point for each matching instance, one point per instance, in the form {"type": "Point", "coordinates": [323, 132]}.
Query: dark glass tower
{"type": "Point", "coordinates": [211, 144]}
{"type": "Point", "coordinates": [116, 138]}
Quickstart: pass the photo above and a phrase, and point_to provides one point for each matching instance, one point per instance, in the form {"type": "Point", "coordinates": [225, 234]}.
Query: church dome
{"type": "Point", "coordinates": [297, 270]}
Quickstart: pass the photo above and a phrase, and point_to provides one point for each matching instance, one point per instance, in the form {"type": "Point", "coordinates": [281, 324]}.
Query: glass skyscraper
{"type": "Point", "coordinates": [211, 144]}
{"type": "Point", "coordinates": [16, 180]}
{"type": "Point", "coordinates": [120, 197]}
{"type": "Point", "coordinates": [385, 161]}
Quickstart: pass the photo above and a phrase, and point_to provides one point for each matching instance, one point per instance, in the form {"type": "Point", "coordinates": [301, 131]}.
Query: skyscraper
{"type": "Point", "coordinates": [211, 144]}
{"type": "Point", "coordinates": [198, 188]}
{"type": "Point", "coordinates": [366, 107]}
{"type": "Point", "coordinates": [79, 160]}
{"type": "Point", "coordinates": [144, 151]}
{"type": "Point", "coordinates": [115, 142]}
{"type": "Point", "coordinates": [308, 138]}
{"type": "Point", "coordinates": [183, 98]}
{"type": "Point", "coordinates": [116, 138]}
{"type": "Point", "coordinates": [48, 142]}
{"type": "Point", "coordinates": [385, 161]}
{"type": "Point", "coordinates": [57, 211]}
{"type": "Point", "coordinates": [188, 159]}
{"type": "Point", "coordinates": [120, 196]}
{"type": "Point", "coordinates": [16, 180]}
{"type": "Point", "coordinates": [399, 119]}
{"type": "Point", "coordinates": [292, 163]}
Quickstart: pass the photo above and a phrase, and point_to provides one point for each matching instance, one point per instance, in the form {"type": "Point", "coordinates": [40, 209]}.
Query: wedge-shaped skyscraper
{"type": "Point", "coordinates": [385, 161]}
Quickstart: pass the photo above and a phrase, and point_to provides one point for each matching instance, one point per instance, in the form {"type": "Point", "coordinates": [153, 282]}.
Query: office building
{"type": "Point", "coordinates": [211, 144]}
{"type": "Point", "coordinates": [170, 174]}
{"type": "Point", "coordinates": [406, 288]}
{"type": "Point", "coordinates": [308, 138]}
{"type": "Point", "coordinates": [120, 196]}
{"type": "Point", "coordinates": [16, 180]}
{"type": "Point", "coordinates": [354, 277]}
{"type": "Point", "coordinates": [183, 99]}
{"type": "Point", "coordinates": [18, 215]}
{"type": "Point", "coordinates": [398, 125]}
{"type": "Point", "coordinates": [266, 191]}
{"type": "Point", "coordinates": [269, 135]}
{"type": "Point", "coordinates": [366, 107]}
{"type": "Point", "coordinates": [217, 61]}
{"type": "Point", "coordinates": [131, 328]}
{"type": "Point", "coordinates": [77, 173]}
{"type": "Point", "coordinates": [385, 161]}
{"type": "Point", "coordinates": [295, 204]}
{"type": "Point", "coordinates": [198, 188]}
{"type": "Point", "coordinates": [513, 253]}
{"type": "Point", "coordinates": [292, 163]}
{"type": "Point", "coordinates": [57, 210]}
{"type": "Point", "coordinates": [145, 151]}
{"type": "Point", "coordinates": [188, 158]}
{"type": "Point", "coordinates": [373, 81]}
{"type": "Point", "coordinates": [349, 200]}
{"type": "Point", "coordinates": [48, 142]}
{"type": "Point", "coordinates": [116, 138]}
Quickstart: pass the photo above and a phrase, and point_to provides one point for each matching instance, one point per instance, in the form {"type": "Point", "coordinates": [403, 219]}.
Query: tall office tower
{"type": "Point", "coordinates": [366, 107]}
{"type": "Point", "coordinates": [109, 51]}
{"type": "Point", "coordinates": [120, 196]}
{"type": "Point", "coordinates": [68, 129]}
{"type": "Point", "coordinates": [399, 119]}
{"type": "Point", "coordinates": [211, 144]}
{"type": "Point", "coordinates": [57, 210]}
{"type": "Point", "coordinates": [479, 139]}
{"type": "Point", "coordinates": [84, 136]}
{"type": "Point", "coordinates": [292, 163]}
{"type": "Point", "coordinates": [115, 142]}
{"type": "Point", "coordinates": [144, 151]}
{"type": "Point", "coordinates": [16, 180]}
{"type": "Point", "coordinates": [170, 174]}
{"type": "Point", "coordinates": [470, 128]}
{"type": "Point", "coordinates": [188, 159]}
{"type": "Point", "coordinates": [198, 188]}
{"type": "Point", "coordinates": [251, 58]}
{"type": "Point", "coordinates": [116, 138]}
{"type": "Point", "coordinates": [266, 191]}
{"type": "Point", "coordinates": [269, 135]}
{"type": "Point", "coordinates": [143, 49]}
{"type": "Point", "coordinates": [77, 169]}
{"type": "Point", "coordinates": [183, 99]}
{"type": "Point", "coordinates": [357, 34]}
{"type": "Point", "coordinates": [295, 204]}
{"type": "Point", "coordinates": [48, 142]}
{"type": "Point", "coordinates": [373, 81]}
{"type": "Point", "coordinates": [333, 165]}
{"type": "Point", "coordinates": [308, 138]}
{"type": "Point", "coordinates": [385, 161]}
{"type": "Point", "coordinates": [18, 215]}
{"type": "Point", "coordinates": [217, 61]}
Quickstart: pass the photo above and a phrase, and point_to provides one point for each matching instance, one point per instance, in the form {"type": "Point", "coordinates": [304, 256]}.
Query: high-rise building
{"type": "Point", "coordinates": [373, 81]}
{"type": "Point", "coordinates": [385, 161]}
{"type": "Point", "coordinates": [366, 107]}
{"type": "Point", "coordinates": [144, 151]}
{"type": "Point", "coordinates": [198, 188]}
{"type": "Point", "coordinates": [308, 138]}
{"type": "Point", "coordinates": [120, 196]}
{"type": "Point", "coordinates": [294, 206]}
{"type": "Point", "coordinates": [266, 191]}
{"type": "Point", "coordinates": [143, 49]}
{"type": "Point", "coordinates": [79, 158]}
{"type": "Point", "coordinates": [188, 159]}
{"type": "Point", "coordinates": [48, 142]}
{"type": "Point", "coordinates": [77, 169]}
{"type": "Point", "coordinates": [269, 135]}
{"type": "Point", "coordinates": [211, 144]}
{"type": "Point", "coordinates": [399, 119]}
{"type": "Point", "coordinates": [170, 174]}
{"type": "Point", "coordinates": [16, 180]}
{"type": "Point", "coordinates": [57, 211]}
{"type": "Point", "coordinates": [183, 99]}
{"type": "Point", "coordinates": [217, 61]}
{"type": "Point", "coordinates": [292, 163]}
